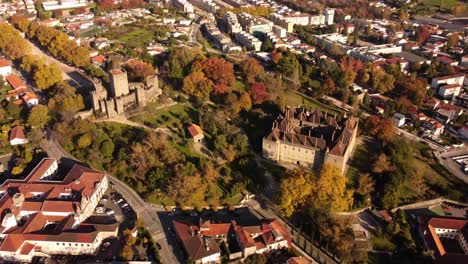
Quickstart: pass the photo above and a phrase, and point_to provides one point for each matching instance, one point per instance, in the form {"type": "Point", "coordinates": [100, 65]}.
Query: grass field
{"type": "Point", "coordinates": [293, 99]}
{"type": "Point", "coordinates": [448, 4]}
{"type": "Point", "coordinates": [170, 117]}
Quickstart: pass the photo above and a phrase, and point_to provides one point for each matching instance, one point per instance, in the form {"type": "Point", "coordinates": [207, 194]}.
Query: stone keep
{"type": "Point", "coordinates": [118, 83]}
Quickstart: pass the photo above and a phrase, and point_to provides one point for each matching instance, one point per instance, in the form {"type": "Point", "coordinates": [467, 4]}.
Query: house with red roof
{"type": "Point", "coordinates": [18, 136]}
{"type": "Point", "coordinates": [196, 133]}
{"type": "Point", "coordinates": [47, 213]}
{"type": "Point", "coordinates": [446, 237]}
{"type": "Point", "coordinates": [200, 240]}
{"type": "Point", "coordinates": [5, 67]}
{"type": "Point", "coordinates": [30, 99]}
{"type": "Point", "coordinates": [99, 60]}
{"type": "Point", "coordinates": [16, 83]}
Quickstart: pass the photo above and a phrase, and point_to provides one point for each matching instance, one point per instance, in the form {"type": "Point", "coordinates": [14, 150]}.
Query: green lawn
{"type": "Point", "coordinates": [293, 99]}
{"type": "Point", "coordinates": [171, 117]}
{"type": "Point", "coordinates": [137, 36]}
{"type": "Point", "coordinates": [448, 4]}
{"type": "Point", "coordinates": [382, 244]}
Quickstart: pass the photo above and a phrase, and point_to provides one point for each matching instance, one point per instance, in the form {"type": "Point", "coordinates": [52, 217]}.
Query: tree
{"type": "Point", "coordinates": [219, 71]}
{"type": "Point", "coordinates": [267, 46]}
{"type": "Point", "coordinates": [251, 69]}
{"type": "Point", "coordinates": [292, 196]}
{"type": "Point", "coordinates": [258, 93]}
{"type": "Point", "coordinates": [422, 34]}
{"type": "Point", "coordinates": [452, 39]}
{"type": "Point", "coordinates": [382, 164]}
{"type": "Point", "coordinates": [245, 101]}
{"type": "Point", "coordinates": [107, 148]}
{"type": "Point", "coordinates": [29, 63]}
{"type": "Point", "coordinates": [38, 116]}
{"type": "Point", "coordinates": [127, 253]}
{"type": "Point", "coordinates": [331, 190]}
{"type": "Point", "coordinates": [84, 141]}
{"type": "Point", "coordinates": [196, 84]}
{"type": "Point", "coordinates": [139, 70]}
{"type": "Point", "coordinates": [382, 81]}
{"type": "Point", "coordinates": [47, 76]}
{"type": "Point", "coordinates": [365, 184]}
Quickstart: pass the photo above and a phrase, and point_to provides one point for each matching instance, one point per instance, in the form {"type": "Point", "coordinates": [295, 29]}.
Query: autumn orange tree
{"type": "Point", "coordinates": [197, 84]}
{"type": "Point", "coordinates": [380, 127]}
{"type": "Point", "coordinates": [251, 69]}
{"type": "Point", "coordinates": [219, 71]}
{"type": "Point", "coordinates": [139, 70]}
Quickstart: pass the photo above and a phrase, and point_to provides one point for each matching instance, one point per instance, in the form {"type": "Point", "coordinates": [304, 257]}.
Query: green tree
{"type": "Point", "coordinates": [107, 148]}
{"type": "Point", "coordinates": [38, 116]}
{"type": "Point", "coordinates": [84, 141]}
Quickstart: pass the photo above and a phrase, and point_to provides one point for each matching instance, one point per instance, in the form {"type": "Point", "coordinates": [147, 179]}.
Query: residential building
{"type": "Point", "coordinates": [449, 79]}
{"type": "Point", "coordinates": [183, 5]}
{"type": "Point", "coordinates": [279, 31]}
{"type": "Point", "coordinates": [311, 138]}
{"type": "Point", "coordinates": [446, 113]}
{"type": "Point", "coordinates": [5, 67]}
{"type": "Point", "coordinates": [219, 40]}
{"type": "Point", "coordinates": [30, 99]}
{"type": "Point", "coordinates": [255, 25]}
{"type": "Point", "coordinates": [200, 240]}
{"type": "Point", "coordinates": [18, 136]}
{"type": "Point", "coordinates": [446, 237]}
{"type": "Point", "coordinates": [98, 60]}
{"type": "Point", "coordinates": [232, 24]}
{"type": "Point", "coordinates": [449, 90]}
{"type": "Point", "coordinates": [249, 41]}
{"type": "Point", "coordinates": [64, 4]}
{"type": "Point", "coordinates": [196, 133]}
{"type": "Point", "coordinates": [47, 213]}
{"type": "Point", "coordinates": [206, 5]}
{"type": "Point", "coordinates": [399, 120]}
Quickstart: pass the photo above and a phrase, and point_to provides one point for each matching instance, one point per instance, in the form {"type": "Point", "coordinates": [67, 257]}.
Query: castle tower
{"type": "Point", "coordinates": [118, 83]}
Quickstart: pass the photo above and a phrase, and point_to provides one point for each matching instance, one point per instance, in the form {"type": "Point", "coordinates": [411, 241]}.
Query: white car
{"type": "Point", "coordinates": [110, 212]}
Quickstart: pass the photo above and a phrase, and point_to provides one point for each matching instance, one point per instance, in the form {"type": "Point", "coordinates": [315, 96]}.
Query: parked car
{"type": "Point", "coordinates": [110, 212]}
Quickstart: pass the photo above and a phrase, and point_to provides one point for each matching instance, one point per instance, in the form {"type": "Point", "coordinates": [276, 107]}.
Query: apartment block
{"type": "Point", "coordinates": [248, 40]}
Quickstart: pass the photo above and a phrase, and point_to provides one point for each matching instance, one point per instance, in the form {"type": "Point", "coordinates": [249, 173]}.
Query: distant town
{"type": "Point", "coordinates": [233, 131]}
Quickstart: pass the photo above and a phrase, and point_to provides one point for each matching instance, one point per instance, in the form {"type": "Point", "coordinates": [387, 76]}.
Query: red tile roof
{"type": "Point", "coordinates": [17, 132]}
{"type": "Point", "coordinates": [4, 63]}
{"type": "Point", "coordinates": [195, 130]}
{"type": "Point", "coordinates": [99, 59]}
{"type": "Point", "coordinates": [15, 82]}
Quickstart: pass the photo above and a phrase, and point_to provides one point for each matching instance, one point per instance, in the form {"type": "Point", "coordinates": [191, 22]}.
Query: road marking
{"type": "Point", "coordinates": [159, 236]}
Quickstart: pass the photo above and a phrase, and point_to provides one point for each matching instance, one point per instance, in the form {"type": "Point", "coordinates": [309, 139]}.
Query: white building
{"type": "Point", "coordinates": [184, 6]}
{"type": "Point", "coordinates": [233, 25]}
{"type": "Point", "coordinates": [449, 79]}
{"type": "Point", "coordinates": [5, 67]}
{"type": "Point", "coordinates": [399, 120]}
{"type": "Point", "coordinates": [449, 90]}
{"type": "Point", "coordinates": [249, 41]}
{"type": "Point", "coordinates": [45, 216]}
{"type": "Point", "coordinates": [63, 4]}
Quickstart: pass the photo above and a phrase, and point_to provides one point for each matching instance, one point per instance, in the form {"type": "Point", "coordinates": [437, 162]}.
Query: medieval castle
{"type": "Point", "coordinates": [311, 138]}
{"type": "Point", "coordinates": [122, 95]}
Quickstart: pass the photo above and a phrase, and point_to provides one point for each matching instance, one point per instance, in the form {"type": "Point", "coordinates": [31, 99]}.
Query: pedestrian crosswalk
{"type": "Point", "coordinates": [159, 236]}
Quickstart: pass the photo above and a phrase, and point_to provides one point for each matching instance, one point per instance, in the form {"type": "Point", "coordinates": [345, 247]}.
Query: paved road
{"type": "Point", "coordinates": [146, 211]}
